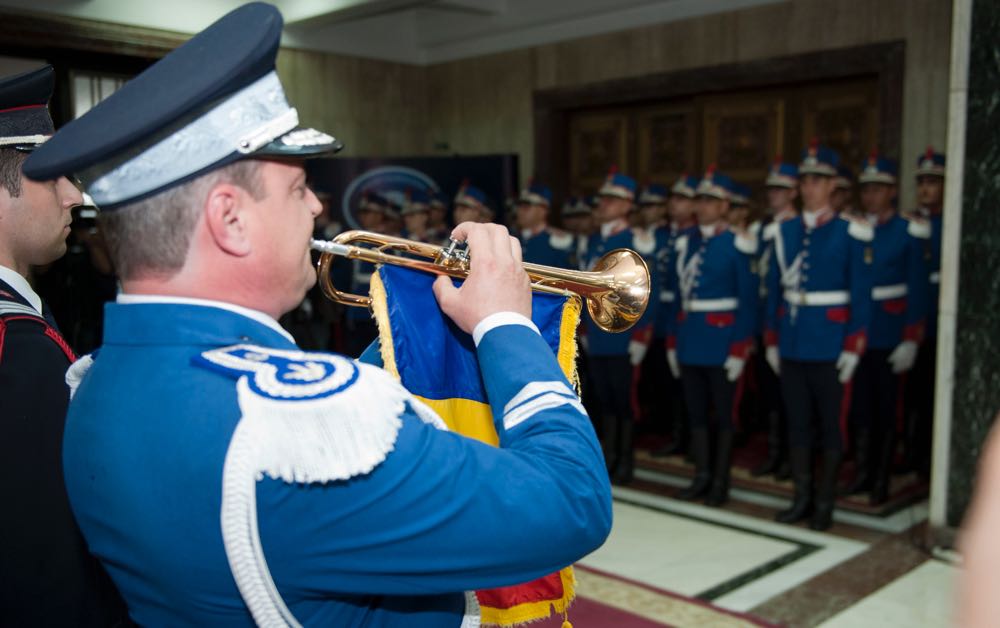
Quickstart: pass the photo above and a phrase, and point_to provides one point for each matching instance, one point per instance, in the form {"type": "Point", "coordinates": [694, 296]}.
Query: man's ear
{"type": "Point", "coordinates": [226, 216]}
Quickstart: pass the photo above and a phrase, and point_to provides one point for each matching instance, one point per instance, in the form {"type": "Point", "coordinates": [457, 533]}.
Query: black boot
{"type": "Point", "coordinates": [883, 468]}
{"type": "Point", "coordinates": [773, 461]}
{"type": "Point", "coordinates": [826, 490]}
{"type": "Point", "coordinates": [719, 493]}
{"type": "Point", "coordinates": [801, 463]}
{"type": "Point", "coordinates": [678, 442]}
{"type": "Point", "coordinates": [610, 443]}
{"type": "Point", "coordinates": [862, 464]}
{"type": "Point", "coordinates": [626, 455]}
{"type": "Point", "coordinates": [702, 476]}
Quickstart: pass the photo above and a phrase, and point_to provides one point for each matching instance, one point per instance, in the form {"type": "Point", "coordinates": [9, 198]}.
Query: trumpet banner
{"type": "Point", "coordinates": [437, 362]}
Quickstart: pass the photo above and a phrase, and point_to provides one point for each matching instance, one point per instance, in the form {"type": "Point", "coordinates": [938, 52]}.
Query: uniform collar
{"type": "Point", "coordinates": [164, 320]}
{"type": "Point", "coordinates": [784, 216]}
{"type": "Point", "coordinates": [677, 227]}
{"type": "Point", "coordinates": [817, 218]}
{"type": "Point", "coordinates": [710, 231]}
{"type": "Point", "coordinates": [609, 229]}
{"type": "Point", "coordinates": [880, 220]}
{"type": "Point", "coordinates": [527, 234]}
{"type": "Point", "coordinates": [21, 287]}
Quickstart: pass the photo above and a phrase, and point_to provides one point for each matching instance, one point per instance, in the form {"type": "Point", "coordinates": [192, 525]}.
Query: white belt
{"type": "Point", "coordinates": [711, 305]}
{"type": "Point", "coordinates": [884, 293]}
{"type": "Point", "coordinates": [829, 297]}
{"type": "Point", "coordinates": [935, 277]}
{"type": "Point", "coordinates": [667, 296]}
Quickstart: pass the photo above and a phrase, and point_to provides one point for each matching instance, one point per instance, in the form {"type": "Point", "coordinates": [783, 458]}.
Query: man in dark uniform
{"type": "Point", "coordinates": [920, 383]}
{"type": "Point", "coordinates": [48, 578]}
{"type": "Point", "coordinates": [817, 315]}
{"type": "Point", "coordinates": [718, 297]}
{"type": "Point", "coordinates": [540, 243]}
{"type": "Point", "coordinates": [899, 310]}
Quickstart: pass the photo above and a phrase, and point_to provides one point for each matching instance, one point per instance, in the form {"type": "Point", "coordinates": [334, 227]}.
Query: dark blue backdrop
{"type": "Point", "coordinates": [346, 178]}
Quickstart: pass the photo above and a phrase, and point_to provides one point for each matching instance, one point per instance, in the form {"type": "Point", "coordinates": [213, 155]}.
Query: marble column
{"type": "Point", "coordinates": [969, 344]}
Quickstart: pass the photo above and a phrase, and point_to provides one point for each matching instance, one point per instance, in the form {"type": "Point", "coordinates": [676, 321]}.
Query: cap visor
{"type": "Point", "coordinates": [301, 143]}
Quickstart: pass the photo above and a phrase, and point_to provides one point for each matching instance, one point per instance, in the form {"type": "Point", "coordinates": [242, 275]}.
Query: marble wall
{"type": "Point", "coordinates": [976, 396]}
{"type": "Point", "coordinates": [484, 105]}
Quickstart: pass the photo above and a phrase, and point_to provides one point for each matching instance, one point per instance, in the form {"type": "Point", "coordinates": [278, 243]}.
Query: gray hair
{"type": "Point", "coordinates": [11, 161]}
{"type": "Point", "coordinates": [152, 236]}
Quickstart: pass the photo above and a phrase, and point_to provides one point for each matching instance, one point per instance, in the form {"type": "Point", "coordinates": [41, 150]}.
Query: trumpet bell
{"type": "Point", "coordinates": [623, 302]}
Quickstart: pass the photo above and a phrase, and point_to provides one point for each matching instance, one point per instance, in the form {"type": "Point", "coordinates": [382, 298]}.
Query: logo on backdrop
{"type": "Point", "coordinates": [392, 182]}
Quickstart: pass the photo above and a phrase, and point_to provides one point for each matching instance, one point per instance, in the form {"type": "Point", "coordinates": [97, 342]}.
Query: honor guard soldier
{"type": "Point", "coordinates": [361, 329]}
{"type": "Point", "coordinates": [920, 381]}
{"type": "Point", "coordinates": [714, 334]}
{"type": "Point", "coordinates": [614, 357]}
{"type": "Point", "coordinates": [842, 199]}
{"type": "Point", "coordinates": [470, 204]}
{"type": "Point", "coordinates": [416, 214]}
{"type": "Point", "coordinates": [226, 477]}
{"type": "Point", "coordinates": [49, 579]}
{"type": "Point", "coordinates": [540, 243]}
{"type": "Point", "coordinates": [781, 185]}
{"type": "Point", "coordinates": [681, 214]}
{"type": "Point", "coordinates": [653, 206]}
{"type": "Point", "coordinates": [817, 317]}
{"type": "Point", "coordinates": [438, 222]}
{"type": "Point", "coordinates": [896, 330]}
{"type": "Point", "coordinates": [578, 219]}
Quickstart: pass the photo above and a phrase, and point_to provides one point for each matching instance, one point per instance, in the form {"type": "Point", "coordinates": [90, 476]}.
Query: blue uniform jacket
{"type": "Point", "coordinates": [148, 432]}
{"type": "Point", "coordinates": [549, 248]}
{"type": "Point", "coordinates": [711, 270]}
{"type": "Point", "coordinates": [932, 255]}
{"type": "Point", "coordinates": [899, 266]}
{"type": "Point", "coordinates": [834, 258]}
{"type": "Point", "coordinates": [666, 278]}
{"type": "Point", "coordinates": [602, 343]}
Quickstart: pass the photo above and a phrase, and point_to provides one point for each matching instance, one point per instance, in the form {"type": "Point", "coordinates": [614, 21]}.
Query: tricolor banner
{"type": "Point", "coordinates": [437, 362]}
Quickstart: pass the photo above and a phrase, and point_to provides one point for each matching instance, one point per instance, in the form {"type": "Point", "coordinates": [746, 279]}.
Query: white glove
{"type": "Point", "coordinates": [772, 357]}
{"type": "Point", "coordinates": [903, 357]}
{"type": "Point", "coordinates": [846, 364]}
{"type": "Point", "coordinates": [675, 366]}
{"type": "Point", "coordinates": [636, 352]}
{"type": "Point", "coordinates": [734, 367]}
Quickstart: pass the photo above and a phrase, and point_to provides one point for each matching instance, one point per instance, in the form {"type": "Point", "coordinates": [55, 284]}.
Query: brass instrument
{"type": "Point", "coordinates": [616, 291]}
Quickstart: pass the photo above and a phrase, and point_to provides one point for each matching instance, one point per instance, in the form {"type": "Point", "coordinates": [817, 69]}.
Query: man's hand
{"type": "Point", "coordinates": [734, 367]}
{"type": "Point", "coordinates": [904, 356]}
{"type": "Point", "coordinates": [846, 365]}
{"type": "Point", "coordinates": [496, 282]}
{"type": "Point", "coordinates": [675, 366]}
{"type": "Point", "coordinates": [773, 359]}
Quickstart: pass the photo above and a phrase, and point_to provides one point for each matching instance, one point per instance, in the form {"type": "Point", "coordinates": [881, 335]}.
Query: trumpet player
{"type": "Point", "coordinates": [224, 476]}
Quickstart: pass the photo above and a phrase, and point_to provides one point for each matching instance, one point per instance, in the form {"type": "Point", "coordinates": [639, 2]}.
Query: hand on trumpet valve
{"type": "Point", "coordinates": [497, 281]}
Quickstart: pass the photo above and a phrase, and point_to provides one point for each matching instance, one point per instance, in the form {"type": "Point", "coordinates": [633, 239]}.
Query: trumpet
{"type": "Point", "coordinates": [616, 292]}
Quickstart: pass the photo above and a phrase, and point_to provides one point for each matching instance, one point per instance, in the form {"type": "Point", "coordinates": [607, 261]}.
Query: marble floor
{"type": "Point", "coordinates": [677, 563]}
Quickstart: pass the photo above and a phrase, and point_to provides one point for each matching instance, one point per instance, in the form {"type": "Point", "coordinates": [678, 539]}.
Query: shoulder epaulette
{"type": "Point", "coordinates": [560, 240]}
{"type": "Point", "coordinates": [770, 231]}
{"type": "Point", "coordinates": [643, 241]}
{"type": "Point", "coordinates": [917, 226]}
{"type": "Point", "coordinates": [744, 241]}
{"type": "Point", "coordinates": [859, 229]}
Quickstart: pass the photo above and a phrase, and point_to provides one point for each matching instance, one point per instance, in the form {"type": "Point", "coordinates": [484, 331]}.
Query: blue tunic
{"type": "Point", "coordinates": [145, 443]}
{"type": "Point", "coordinates": [549, 248]}
{"type": "Point", "coordinates": [718, 299]}
{"type": "Point", "coordinates": [900, 284]}
{"type": "Point", "coordinates": [828, 268]}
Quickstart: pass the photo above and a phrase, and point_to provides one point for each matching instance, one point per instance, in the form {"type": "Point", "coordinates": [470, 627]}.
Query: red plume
{"type": "Point", "coordinates": [929, 154]}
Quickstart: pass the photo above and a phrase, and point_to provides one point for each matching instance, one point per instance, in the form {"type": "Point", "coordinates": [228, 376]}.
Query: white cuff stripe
{"type": "Point", "coordinates": [500, 319]}
{"type": "Point", "coordinates": [534, 389]}
{"type": "Point", "coordinates": [539, 404]}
